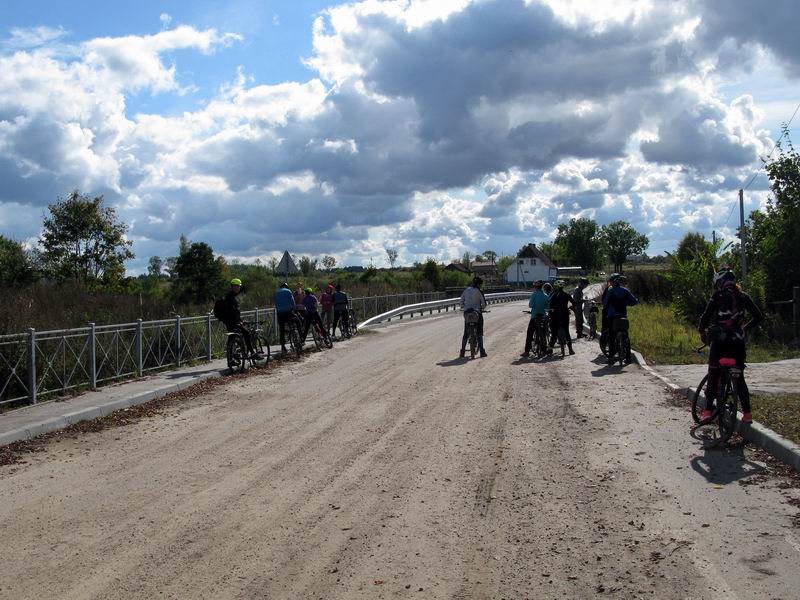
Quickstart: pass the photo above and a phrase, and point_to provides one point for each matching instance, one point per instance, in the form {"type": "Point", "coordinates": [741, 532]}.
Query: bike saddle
{"type": "Point", "coordinates": [727, 362]}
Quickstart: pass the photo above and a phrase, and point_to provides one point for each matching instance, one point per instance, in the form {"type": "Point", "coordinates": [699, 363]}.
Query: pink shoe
{"type": "Point", "coordinates": [747, 417]}
{"type": "Point", "coordinates": [706, 415]}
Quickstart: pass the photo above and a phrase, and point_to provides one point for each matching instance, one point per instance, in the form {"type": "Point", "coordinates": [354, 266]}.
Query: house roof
{"type": "Point", "coordinates": [477, 264]}
{"type": "Point", "coordinates": [531, 251]}
{"type": "Point", "coordinates": [287, 266]}
{"type": "Point", "coordinates": [456, 266]}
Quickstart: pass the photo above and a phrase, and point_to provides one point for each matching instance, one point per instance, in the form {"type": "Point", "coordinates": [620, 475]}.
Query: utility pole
{"type": "Point", "coordinates": [714, 237]}
{"type": "Point", "coordinates": [742, 234]}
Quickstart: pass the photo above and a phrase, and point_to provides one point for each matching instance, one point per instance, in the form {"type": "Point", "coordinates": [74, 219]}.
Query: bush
{"type": "Point", "coordinates": [650, 286]}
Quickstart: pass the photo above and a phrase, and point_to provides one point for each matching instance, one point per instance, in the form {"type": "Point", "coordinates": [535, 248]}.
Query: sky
{"type": "Point", "coordinates": [434, 127]}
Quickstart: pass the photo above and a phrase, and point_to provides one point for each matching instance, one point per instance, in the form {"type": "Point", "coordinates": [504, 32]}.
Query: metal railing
{"type": "Point", "coordinates": [40, 364]}
{"type": "Point", "coordinates": [428, 307]}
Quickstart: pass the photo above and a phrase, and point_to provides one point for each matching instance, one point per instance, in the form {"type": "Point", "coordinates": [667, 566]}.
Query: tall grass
{"type": "Point", "coordinates": [663, 338]}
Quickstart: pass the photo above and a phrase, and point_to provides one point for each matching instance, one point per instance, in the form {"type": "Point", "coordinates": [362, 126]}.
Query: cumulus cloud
{"type": "Point", "coordinates": [437, 126]}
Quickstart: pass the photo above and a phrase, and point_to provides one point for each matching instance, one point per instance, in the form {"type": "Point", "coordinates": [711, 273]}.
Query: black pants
{"type": "Point", "coordinates": [341, 314]}
{"type": "Point", "coordinates": [465, 337]}
{"type": "Point", "coordinates": [311, 318]}
{"type": "Point", "coordinates": [730, 349]}
{"type": "Point", "coordinates": [579, 321]}
{"type": "Point", "coordinates": [283, 319]}
{"type": "Point", "coordinates": [557, 322]}
{"type": "Point", "coordinates": [537, 321]}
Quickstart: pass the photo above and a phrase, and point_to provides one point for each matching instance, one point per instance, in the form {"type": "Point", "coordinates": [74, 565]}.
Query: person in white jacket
{"type": "Point", "coordinates": [472, 299]}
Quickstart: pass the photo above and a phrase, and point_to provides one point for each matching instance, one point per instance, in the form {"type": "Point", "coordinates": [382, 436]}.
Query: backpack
{"type": "Point", "coordinates": [221, 309]}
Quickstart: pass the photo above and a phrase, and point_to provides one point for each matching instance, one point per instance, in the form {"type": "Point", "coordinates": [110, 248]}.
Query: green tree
{"type": "Point", "coordinates": [307, 265]}
{"type": "Point", "coordinates": [391, 254]}
{"type": "Point", "coordinates": [504, 263]}
{"type": "Point", "coordinates": [774, 235]}
{"type": "Point", "coordinates": [555, 252]}
{"type": "Point", "coordinates": [620, 241]}
{"type": "Point", "coordinates": [690, 245]}
{"type": "Point", "coordinates": [199, 274]}
{"type": "Point", "coordinates": [329, 262]}
{"type": "Point", "coordinates": [154, 266]}
{"type": "Point", "coordinates": [692, 280]}
{"type": "Point", "coordinates": [490, 256]}
{"type": "Point", "coordinates": [82, 240]}
{"type": "Point", "coordinates": [432, 273]}
{"type": "Point", "coordinates": [581, 241]}
{"type": "Point", "coordinates": [466, 259]}
{"type": "Point", "coordinates": [16, 266]}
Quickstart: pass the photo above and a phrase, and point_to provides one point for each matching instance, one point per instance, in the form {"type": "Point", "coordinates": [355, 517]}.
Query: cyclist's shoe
{"type": "Point", "coordinates": [549, 352]}
{"type": "Point", "coordinates": [483, 353]}
{"type": "Point", "coordinates": [257, 356]}
{"type": "Point", "coordinates": [747, 417]}
{"type": "Point", "coordinates": [526, 354]}
{"type": "Point", "coordinates": [706, 416]}
{"type": "Point", "coordinates": [462, 354]}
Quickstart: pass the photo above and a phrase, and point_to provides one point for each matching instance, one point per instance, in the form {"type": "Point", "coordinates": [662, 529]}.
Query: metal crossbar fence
{"type": "Point", "coordinates": [38, 365]}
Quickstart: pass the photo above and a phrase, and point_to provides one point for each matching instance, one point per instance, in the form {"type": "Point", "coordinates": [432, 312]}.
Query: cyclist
{"type": "Point", "coordinates": [340, 303]}
{"type": "Point", "coordinates": [560, 302]}
{"type": "Point", "coordinates": [616, 301]}
{"type": "Point", "coordinates": [472, 299]}
{"type": "Point", "coordinates": [538, 303]}
{"type": "Point", "coordinates": [233, 318]}
{"type": "Point", "coordinates": [604, 323]}
{"type": "Point", "coordinates": [593, 312]}
{"type": "Point", "coordinates": [298, 302]}
{"type": "Point", "coordinates": [725, 313]}
{"type": "Point", "coordinates": [284, 308]}
{"type": "Point", "coordinates": [327, 308]}
{"type": "Point", "coordinates": [577, 296]}
{"type": "Point", "coordinates": [312, 315]}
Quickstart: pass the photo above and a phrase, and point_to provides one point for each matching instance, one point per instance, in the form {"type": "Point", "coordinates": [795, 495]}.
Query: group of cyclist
{"type": "Point", "coordinates": [301, 307]}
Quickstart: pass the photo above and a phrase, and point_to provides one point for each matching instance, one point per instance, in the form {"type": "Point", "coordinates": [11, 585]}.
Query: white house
{"type": "Point", "coordinates": [530, 265]}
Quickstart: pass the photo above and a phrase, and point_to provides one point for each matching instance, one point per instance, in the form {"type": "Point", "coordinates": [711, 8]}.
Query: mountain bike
{"type": "Point", "coordinates": [561, 335]}
{"type": "Point", "coordinates": [351, 321]}
{"type": "Point", "coordinates": [540, 336]}
{"type": "Point", "coordinates": [727, 402]}
{"type": "Point", "coordinates": [296, 341]}
{"type": "Point", "coordinates": [320, 337]}
{"type": "Point", "coordinates": [620, 326]}
{"type": "Point", "coordinates": [699, 396]}
{"type": "Point", "coordinates": [236, 349]}
{"type": "Point", "coordinates": [471, 319]}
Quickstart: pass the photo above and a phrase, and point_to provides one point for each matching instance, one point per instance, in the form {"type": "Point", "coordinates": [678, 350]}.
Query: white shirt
{"type": "Point", "coordinates": [472, 298]}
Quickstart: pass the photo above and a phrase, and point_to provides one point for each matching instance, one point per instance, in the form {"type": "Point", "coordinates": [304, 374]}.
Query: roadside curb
{"type": "Point", "coordinates": [781, 448]}
{"type": "Point", "coordinates": [101, 410]}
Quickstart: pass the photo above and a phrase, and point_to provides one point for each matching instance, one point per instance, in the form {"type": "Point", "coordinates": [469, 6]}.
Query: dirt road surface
{"type": "Point", "coordinates": [387, 468]}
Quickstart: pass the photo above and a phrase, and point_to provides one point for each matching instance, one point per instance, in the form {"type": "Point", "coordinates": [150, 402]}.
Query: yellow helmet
{"type": "Point", "coordinates": [236, 281]}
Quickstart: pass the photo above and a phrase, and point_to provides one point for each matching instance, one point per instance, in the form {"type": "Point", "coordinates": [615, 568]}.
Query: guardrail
{"type": "Point", "coordinates": [41, 364]}
{"type": "Point", "coordinates": [423, 307]}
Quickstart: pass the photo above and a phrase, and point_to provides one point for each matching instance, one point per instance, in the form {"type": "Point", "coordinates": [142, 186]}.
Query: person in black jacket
{"type": "Point", "coordinates": [560, 303]}
{"type": "Point", "coordinates": [233, 318]}
{"type": "Point", "coordinates": [723, 325]}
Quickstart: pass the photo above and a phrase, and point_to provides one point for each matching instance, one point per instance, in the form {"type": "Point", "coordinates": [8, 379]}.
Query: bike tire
{"type": "Point", "coordinates": [262, 345]}
{"type": "Point", "coordinates": [236, 354]}
{"type": "Point", "coordinates": [473, 342]}
{"type": "Point", "coordinates": [698, 405]}
{"type": "Point", "coordinates": [294, 340]}
{"type": "Point", "coordinates": [326, 339]}
{"type": "Point", "coordinates": [353, 324]}
{"type": "Point", "coordinates": [316, 336]}
{"type": "Point", "coordinates": [728, 406]}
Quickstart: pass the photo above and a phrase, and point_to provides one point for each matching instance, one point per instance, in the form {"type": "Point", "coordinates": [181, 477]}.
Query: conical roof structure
{"type": "Point", "coordinates": [287, 266]}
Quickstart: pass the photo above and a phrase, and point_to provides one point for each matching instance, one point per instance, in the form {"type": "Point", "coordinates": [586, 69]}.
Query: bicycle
{"type": "Point", "coordinates": [727, 402]}
{"type": "Point", "coordinates": [320, 337]}
{"type": "Point", "coordinates": [236, 353]}
{"type": "Point", "coordinates": [699, 396]}
{"type": "Point", "coordinates": [295, 326]}
{"type": "Point", "coordinates": [471, 319]}
{"type": "Point", "coordinates": [561, 335]}
{"type": "Point", "coordinates": [541, 327]}
{"type": "Point", "coordinates": [351, 321]}
{"type": "Point", "coordinates": [620, 326]}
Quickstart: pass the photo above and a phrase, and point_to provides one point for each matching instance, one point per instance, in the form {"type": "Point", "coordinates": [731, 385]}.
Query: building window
{"type": "Point", "coordinates": [533, 261]}
{"type": "Point", "coordinates": [522, 261]}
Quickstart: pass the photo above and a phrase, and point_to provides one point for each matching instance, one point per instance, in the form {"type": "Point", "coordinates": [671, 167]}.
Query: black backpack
{"type": "Point", "coordinates": [221, 309]}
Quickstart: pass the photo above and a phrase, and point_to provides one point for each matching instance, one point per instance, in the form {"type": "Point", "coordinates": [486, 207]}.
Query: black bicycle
{"type": "Point", "coordinates": [471, 319]}
{"type": "Point", "coordinates": [726, 406]}
{"type": "Point", "coordinates": [352, 322]}
{"type": "Point", "coordinates": [541, 327]}
{"type": "Point", "coordinates": [236, 349]}
{"type": "Point", "coordinates": [619, 329]}
{"type": "Point", "coordinates": [320, 337]}
{"type": "Point", "coordinates": [295, 332]}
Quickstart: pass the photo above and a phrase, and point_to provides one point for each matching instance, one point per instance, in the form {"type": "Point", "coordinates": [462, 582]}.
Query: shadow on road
{"type": "Point", "coordinates": [454, 362]}
{"type": "Point", "coordinates": [722, 465]}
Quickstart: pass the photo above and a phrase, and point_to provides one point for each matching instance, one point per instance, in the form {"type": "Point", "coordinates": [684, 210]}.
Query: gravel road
{"type": "Point", "coordinates": [387, 468]}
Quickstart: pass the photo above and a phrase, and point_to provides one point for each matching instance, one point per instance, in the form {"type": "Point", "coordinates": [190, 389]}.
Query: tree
{"type": "Point", "coordinates": [581, 242]}
{"type": "Point", "coordinates": [307, 265]}
{"type": "Point", "coordinates": [273, 263]}
{"type": "Point", "coordinates": [328, 262]}
{"type": "Point", "coordinates": [466, 259]}
{"type": "Point", "coordinates": [621, 241]}
{"type": "Point", "coordinates": [691, 245]}
{"type": "Point", "coordinates": [554, 252]}
{"type": "Point", "coordinates": [504, 263]}
{"type": "Point", "coordinates": [432, 273]}
{"type": "Point", "coordinates": [391, 254]}
{"type": "Point", "coordinates": [154, 266]}
{"type": "Point", "coordinates": [16, 266]}
{"type": "Point", "coordinates": [490, 256]}
{"type": "Point", "coordinates": [199, 274]}
{"type": "Point", "coordinates": [82, 240]}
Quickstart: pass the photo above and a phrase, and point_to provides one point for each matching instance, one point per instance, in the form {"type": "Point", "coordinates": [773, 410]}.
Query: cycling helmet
{"type": "Point", "coordinates": [236, 281]}
{"type": "Point", "coordinates": [477, 282]}
{"type": "Point", "coordinates": [558, 284]}
{"type": "Point", "coordinates": [285, 285]}
{"type": "Point", "coordinates": [308, 290]}
{"type": "Point", "coordinates": [537, 284]}
{"type": "Point", "coordinates": [614, 278]}
{"type": "Point", "coordinates": [724, 275]}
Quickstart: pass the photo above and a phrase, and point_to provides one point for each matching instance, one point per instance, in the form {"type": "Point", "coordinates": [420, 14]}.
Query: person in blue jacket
{"type": "Point", "coordinates": [284, 307]}
{"type": "Point", "coordinates": [616, 301]}
{"type": "Point", "coordinates": [539, 302]}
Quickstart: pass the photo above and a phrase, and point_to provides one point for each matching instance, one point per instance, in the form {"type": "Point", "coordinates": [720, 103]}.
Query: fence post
{"type": "Point", "coordinates": [178, 341]}
{"type": "Point", "coordinates": [32, 365]}
{"type": "Point", "coordinates": [796, 310]}
{"type": "Point", "coordinates": [92, 358]}
{"type": "Point", "coordinates": [256, 317]}
{"type": "Point", "coordinates": [139, 356]}
{"type": "Point", "coordinates": [208, 337]}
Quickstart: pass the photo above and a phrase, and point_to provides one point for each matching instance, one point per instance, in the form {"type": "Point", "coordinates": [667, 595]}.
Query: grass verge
{"type": "Point", "coordinates": [665, 339]}
{"type": "Point", "coordinates": [779, 412]}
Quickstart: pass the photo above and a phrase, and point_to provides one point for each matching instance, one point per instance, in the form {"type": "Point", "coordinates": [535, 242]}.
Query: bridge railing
{"type": "Point", "coordinates": [38, 365]}
{"type": "Point", "coordinates": [421, 308]}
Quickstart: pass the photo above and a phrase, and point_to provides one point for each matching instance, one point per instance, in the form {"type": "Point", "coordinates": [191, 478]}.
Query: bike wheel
{"type": "Point", "coordinates": [317, 336]}
{"type": "Point", "coordinates": [473, 342]}
{"type": "Point", "coordinates": [698, 403]}
{"type": "Point", "coordinates": [236, 353]}
{"type": "Point", "coordinates": [327, 340]}
{"type": "Point", "coordinates": [353, 324]}
{"type": "Point", "coordinates": [294, 340]}
{"type": "Point", "coordinates": [262, 346]}
{"type": "Point", "coordinates": [728, 405]}
{"type": "Point", "coordinates": [604, 343]}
